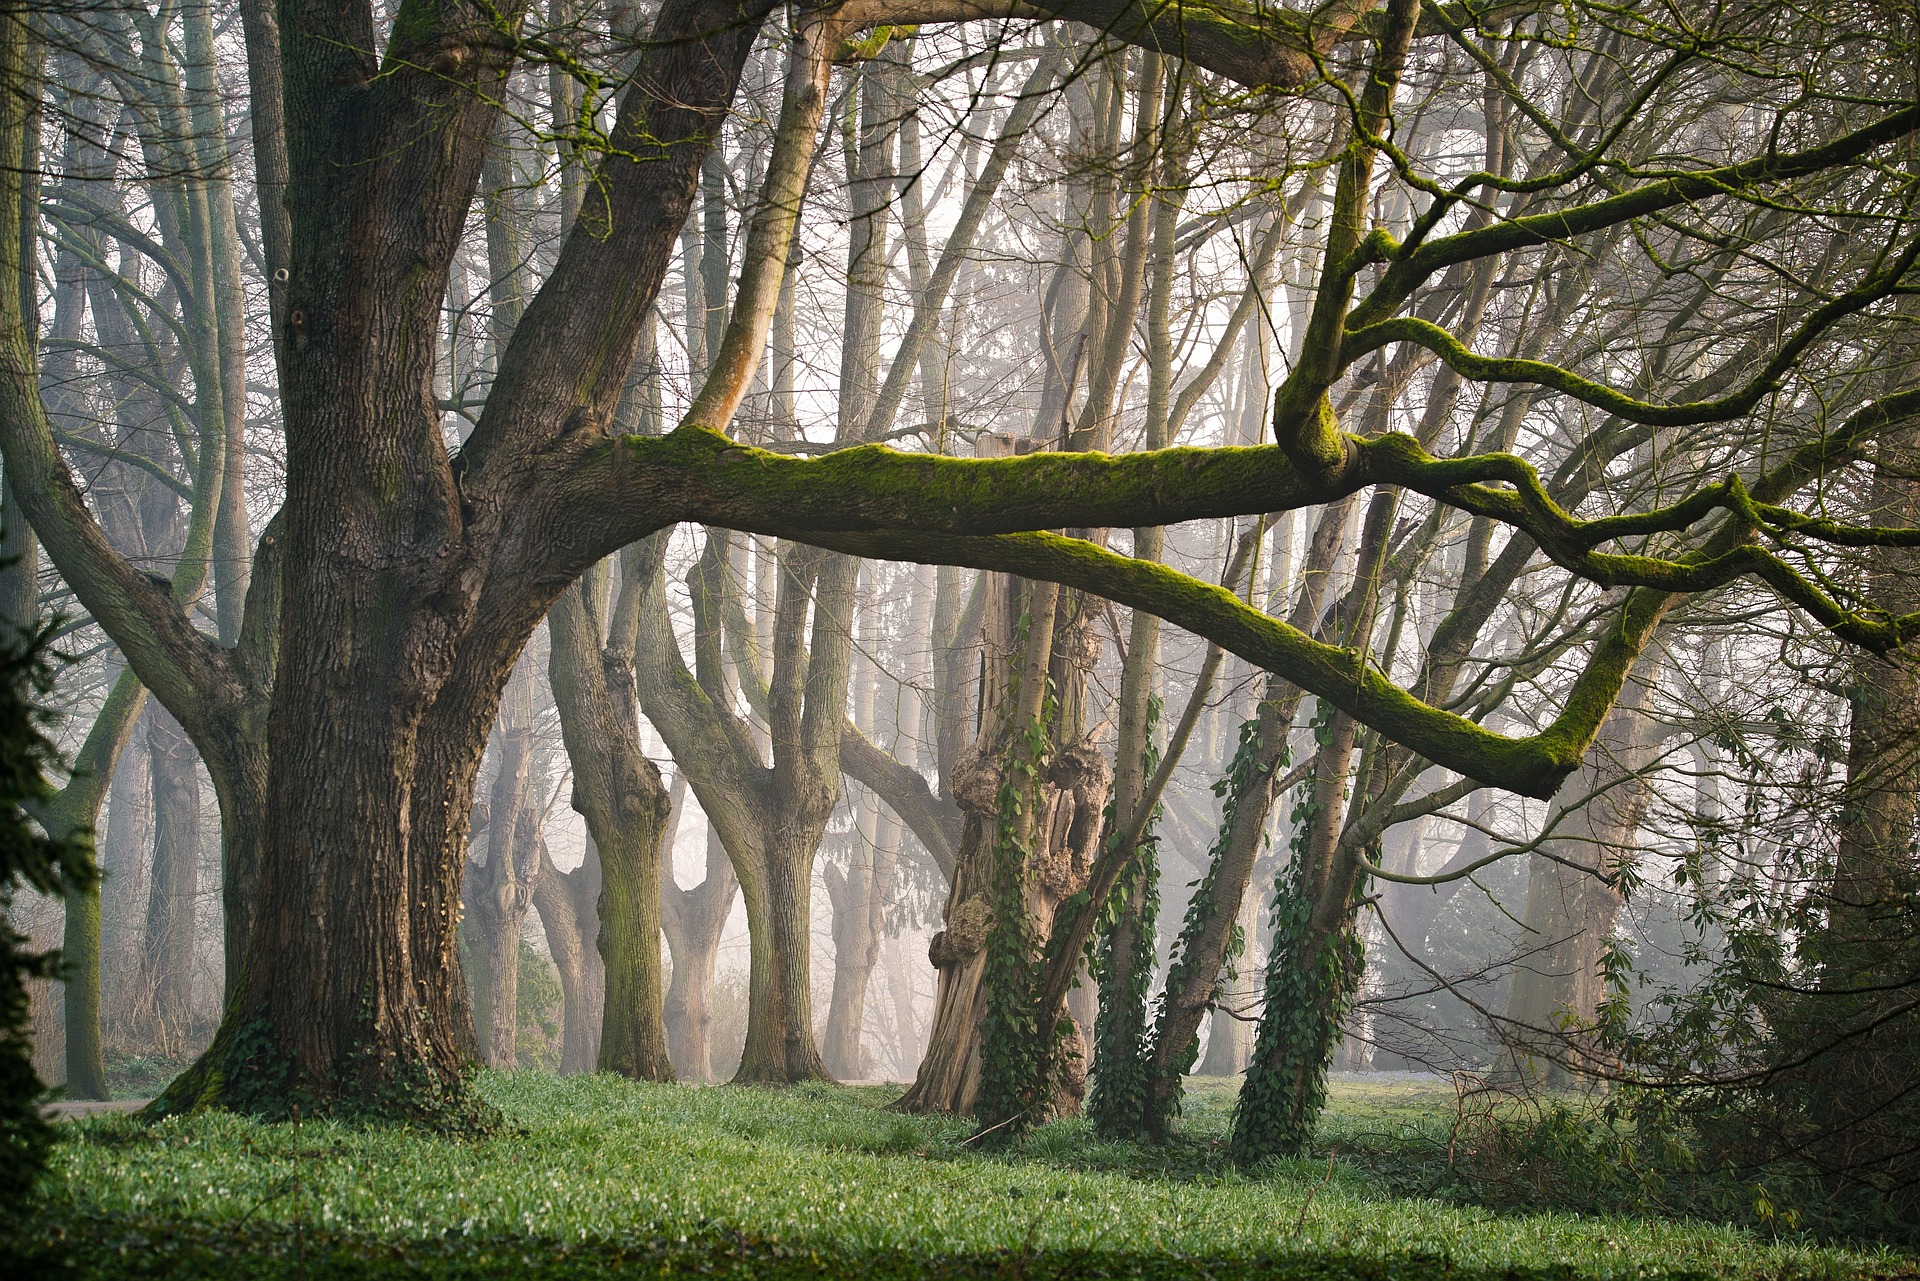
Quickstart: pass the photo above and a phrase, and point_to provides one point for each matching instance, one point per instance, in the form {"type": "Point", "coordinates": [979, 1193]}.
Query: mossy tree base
{"type": "Point", "coordinates": [245, 1071]}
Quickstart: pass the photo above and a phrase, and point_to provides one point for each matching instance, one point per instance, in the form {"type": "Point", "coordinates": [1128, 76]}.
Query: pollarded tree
{"type": "Point", "coordinates": [416, 575]}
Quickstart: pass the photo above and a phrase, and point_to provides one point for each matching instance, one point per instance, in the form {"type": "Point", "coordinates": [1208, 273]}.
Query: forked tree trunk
{"type": "Point", "coordinates": [694, 920]}
{"type": "Point", "coordinates": [780, 1047]}
{"type": "Point", "coordinates": [618, 790]}
{"type": "Point", "coordinates": [568, 903]}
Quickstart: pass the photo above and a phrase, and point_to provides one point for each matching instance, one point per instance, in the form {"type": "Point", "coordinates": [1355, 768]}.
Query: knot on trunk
{"type": "Point", "coordinates": [974, 782]}
{"type": "Point", "coordinates": [643, 805]}
{"type": "Point", "coordinates": [1080, 780]}
{"type": "Point", "coordinates": [965, 935]}
{"type": "Point", "coordinates": [1081, 646]}
{"type": "Point", "coordinates": [1080, 768]}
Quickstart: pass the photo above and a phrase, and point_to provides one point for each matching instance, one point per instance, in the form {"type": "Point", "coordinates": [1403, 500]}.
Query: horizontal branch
{"type": "Point", "coordinates": [643, 483]}
{"type": "Point", "coordinates": [1531, 766]}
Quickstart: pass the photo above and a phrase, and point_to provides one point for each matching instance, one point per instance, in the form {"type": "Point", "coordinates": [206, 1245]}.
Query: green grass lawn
{"type": "Point", "coordinates": [599, 1176]}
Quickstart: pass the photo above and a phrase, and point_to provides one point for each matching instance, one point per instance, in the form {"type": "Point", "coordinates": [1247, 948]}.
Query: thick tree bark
{"type": "Point", "coordinates": [1059, 830]}
{"type": "Point", "coordinates": [374, 748]}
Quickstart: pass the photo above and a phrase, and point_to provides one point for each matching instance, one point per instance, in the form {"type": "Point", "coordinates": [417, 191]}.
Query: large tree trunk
{"type": "Point", "coordinates": [1860, 1087]}
{"type": "Point", "coordinates": [1059, 822]}
{"type": "Point", "coordinates": [1876, 849]}
{"type": "Point", "coordinates": [416, 590]}
{"type": "Point", "coordinates": [805, 719]}
{"type": "Point", "coordinates": [949, 1075]}
{"type": "Point", "coordinates": [780, 1047]}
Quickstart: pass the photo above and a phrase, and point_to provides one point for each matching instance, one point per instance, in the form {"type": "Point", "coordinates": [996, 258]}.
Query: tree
{"type": "Point", "coordinates": [343, 720]}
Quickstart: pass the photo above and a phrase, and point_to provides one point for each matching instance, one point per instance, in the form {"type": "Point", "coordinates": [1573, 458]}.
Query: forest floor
{"type": "Point", "coordinates": [597, 1176]}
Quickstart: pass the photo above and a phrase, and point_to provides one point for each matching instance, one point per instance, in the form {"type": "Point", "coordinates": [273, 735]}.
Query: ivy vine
{"type": "Point", "coordinates": [1312, 980]}
{"type": "Point", "coordinates": [1017, 1064]}
{"type": "Point", "coordinates": [1244, 773]}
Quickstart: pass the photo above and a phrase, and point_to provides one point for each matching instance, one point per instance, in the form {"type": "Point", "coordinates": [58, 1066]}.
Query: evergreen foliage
{"type": "Point", "coordinates": [28, 859]}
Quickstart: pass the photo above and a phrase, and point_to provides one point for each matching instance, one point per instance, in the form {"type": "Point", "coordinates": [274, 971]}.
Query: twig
{"type": "Point", "coordinates": [1313, 1191]}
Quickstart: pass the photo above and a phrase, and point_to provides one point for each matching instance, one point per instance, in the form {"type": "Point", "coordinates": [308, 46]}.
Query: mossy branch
{"type": "Point", "coordinates": [1532, 766]}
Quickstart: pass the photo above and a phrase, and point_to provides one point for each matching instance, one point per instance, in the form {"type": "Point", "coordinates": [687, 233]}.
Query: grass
{"type": "Point", "coordinates": [598, 1176]}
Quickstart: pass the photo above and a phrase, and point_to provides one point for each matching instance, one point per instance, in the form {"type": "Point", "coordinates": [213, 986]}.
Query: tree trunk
{"type": "Point", "coordinates": [124, 855]}
{"type": "Point", "coordinates": [1253, 780]}
{"type": "Point", "coordinates": [1573, 906]}
{"type": "Point", "coordinates": [859, 897]}
{"type": "Point", "coordinates": [499, 892]}
{"type": "Point", "coordinates": [694, 920]}
{"type": "Point", "coordinates": [617, 789]}
{"type": "Point", "coordinates": [780, 1047]}
{"type": "Point", "coordinates": [174, 888]}
{"type": "Point", "coordinates": [568, 903]}
{"type": "Point", "coordinates": [859, 928]}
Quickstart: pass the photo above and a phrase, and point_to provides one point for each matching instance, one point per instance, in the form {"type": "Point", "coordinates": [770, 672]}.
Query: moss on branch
{"type": "Point", "coordinates": [1532, 766]}
{"type": "Point", "coordinates": [699, 474]}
